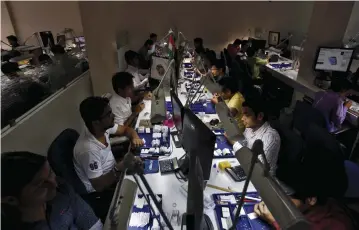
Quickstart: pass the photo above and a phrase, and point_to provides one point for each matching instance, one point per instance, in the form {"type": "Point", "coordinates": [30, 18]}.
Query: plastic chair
{"type": "Point", "coordinates": [60, 157]}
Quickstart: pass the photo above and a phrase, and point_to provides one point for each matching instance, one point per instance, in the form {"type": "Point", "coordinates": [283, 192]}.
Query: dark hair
{"type": "Point", "coordinates": [44, 58]}
{"type": "Point", "coordinates": [250, 51]}
{"type": "Point", "coordinates": [237, 42]}
{"type": "Point", "coordinates": [12, 38]}
{"type": "Point", "coordinates": [198, 40]}
{"type": "Point", "coordinates": [219, 64]}
{"type": "Point", "coordinates": [17, 170]}
{"type": "Point", "coordinates": [318, 178]}
{"type": "Point", "coordinates": [92, 108]}
{"type": "Point", "coordinates": [257, 105]}
{"type": "Point", "coordinates": [153, 35]}
{"type": "Point", "coordinates": [121, 80]}
{"type": "Point", "coordinates": [148, 42]}
{"type": "Point", "coordinates": [9, 68]}
{"type": "Point", "coordinates": [229, 83]}
{"type": "Point", "coordinates": [130, 55]}
{"type": "Point", "coordinates": [339, 84]}
{"type": "Point", "coordinates": [58, 49]}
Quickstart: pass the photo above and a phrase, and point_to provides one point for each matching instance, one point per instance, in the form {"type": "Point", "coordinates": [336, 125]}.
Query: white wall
{"type": "Point", "coordinates": [6, 24]}
{"type": "Point", "coordinates": [34, 16]}
{"type": "Point", "coordinates": [36, 131]}
{"type": "Point", "coordinates": [218, 23]}
{"type": "Point", "coordinates": [353, 25]}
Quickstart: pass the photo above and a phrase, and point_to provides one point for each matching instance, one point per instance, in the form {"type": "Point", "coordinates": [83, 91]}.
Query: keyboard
{"type": "Point", "coordinates": [168, 166]}
{"type": "Point", "coordinates": [237, 173]}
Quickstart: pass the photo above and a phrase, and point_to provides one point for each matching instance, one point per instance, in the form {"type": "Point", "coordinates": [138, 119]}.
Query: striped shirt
{"type": "Point", "coordinates": [271, 143]}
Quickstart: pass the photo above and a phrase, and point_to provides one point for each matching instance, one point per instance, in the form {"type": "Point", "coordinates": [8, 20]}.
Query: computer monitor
{"type": "Point", "coordinates": [333, 59]}
{"type": "Point", "coordinates": [258, 44]}
{"type": "Point", "coordinates": [47, 38]}
{"type": "Point", "coordinates": [177, 110]}
{"type": "Point", "coordinates": [198, 140]}
{"type": "Point", "coordinates": [61, 40]}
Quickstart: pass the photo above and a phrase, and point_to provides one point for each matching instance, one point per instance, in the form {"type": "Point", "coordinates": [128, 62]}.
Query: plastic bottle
{"type": "Point", "coordinates": [214, 173]}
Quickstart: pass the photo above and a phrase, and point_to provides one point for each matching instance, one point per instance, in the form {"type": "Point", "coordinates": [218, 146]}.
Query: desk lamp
{"type": "Point", "coordinates": [280, 205]}
{"type": "Point", "coordinates": [119, 214]}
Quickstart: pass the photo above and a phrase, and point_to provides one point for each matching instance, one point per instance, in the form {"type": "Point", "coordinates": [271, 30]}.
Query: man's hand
{"type": "Point", "coordinates": [137, 142]}
{"type": "Point", "coordinates": [262, 211]}
{"type": "Point", "coordinates": [214, 99]}
{"type": "Point", "coordinates": [139, 108]}
{"type": "Point", "coordinates": [348, 104]}
{"type": "Point", "coordinates": [148, 96]}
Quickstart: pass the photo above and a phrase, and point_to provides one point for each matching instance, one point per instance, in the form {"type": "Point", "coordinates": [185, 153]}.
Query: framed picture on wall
{"type": "Point", "coordinates": [273, 38]}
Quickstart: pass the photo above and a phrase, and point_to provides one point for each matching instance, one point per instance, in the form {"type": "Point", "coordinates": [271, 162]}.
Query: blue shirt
{"type": "Point", "coordinates": [331, 105]}
{"type": "Point", "coordinates": [67, 211]}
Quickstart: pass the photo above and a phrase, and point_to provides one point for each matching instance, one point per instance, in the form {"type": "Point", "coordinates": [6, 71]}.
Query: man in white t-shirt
{"type": "Point", "coordinates": [121, 101]}
{"type": "Point", "coordinates": [140, 76]}
{"type": "Point", "coordinates": [93, 159]}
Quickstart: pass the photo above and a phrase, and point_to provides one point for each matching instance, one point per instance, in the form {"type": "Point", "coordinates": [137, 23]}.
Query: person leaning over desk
{"type": "Point", "coordinates": [255, 62]}
{"type": "Point", "coordinates": [255, 120]}
{"type": "Point", "coordinates": [145, 54]}
{"type": "Point", "coordinates": [317, 195]}
{"type": "Point", "coordinates": [121, 101]}
{"type": "Point", "coordinates": [233, 98]}
{"type": "Point", "coordinates": [32, 198]}
{"type": "Point", "coordinates": [93, 159]}
{"type": "Point", "coordinates": [140, 76]}
{"type": "Point", "coordinates": [332, 103]}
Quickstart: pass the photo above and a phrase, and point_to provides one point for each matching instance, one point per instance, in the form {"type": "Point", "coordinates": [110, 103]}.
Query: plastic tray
{"type": "Point", "coordinates": [148, 139]}
{"type": "Point", "coordinates": [169, 106]}
{"type": "Point", "coordinates": [245, 222]}
{"type": "Point", "coordinates": [222, 143]}
{"type": "Point", "coordinates": [146, 208]}
{"type": "Point", "coordinates": [198, 107]}
{"type": "Point", "coordinates": [155, 166]}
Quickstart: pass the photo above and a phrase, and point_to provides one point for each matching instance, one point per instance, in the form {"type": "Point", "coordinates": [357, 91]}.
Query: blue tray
{"type": "Point", "coordinates": [222, 143]}
{"type": "Point", "coordinates": [155, 166]}
{"type": "Point", "coordinates": [245, 222]}
{"type": "Point", "coordinates": [146, 208]}
{"type": "Point", "coordinates": [281, 65]}
{"type": "Point", "coordinates": [198, 107]}
{"type": "Point", "coordinates": [169, 106]}
{"type": "Point", "coordinates": [236, 194]}
{"type": "Point", "coordinates": [148, 139]}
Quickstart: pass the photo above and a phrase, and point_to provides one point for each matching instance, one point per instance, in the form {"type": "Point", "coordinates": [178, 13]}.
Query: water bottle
{"type": "Point", "coordinates": [214, 173]}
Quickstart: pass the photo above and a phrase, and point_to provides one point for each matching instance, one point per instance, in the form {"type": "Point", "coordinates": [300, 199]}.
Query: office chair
{"type": "Point", "coordinates": [60, 157]}
{"type": "Point", "coordinates": [290, 153]}
{"type": "Point", "coordinates": [304, 115]}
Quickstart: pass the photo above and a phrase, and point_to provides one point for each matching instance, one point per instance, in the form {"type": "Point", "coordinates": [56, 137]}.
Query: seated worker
{"type": "Point", "coordinates": [153, 37]}
{"type": "Point", "coordinates": [145, 54]}
{"type": "Point", "coordinates": [240, 70]}
{"type": "Point", "coordinates": [255, 120]}
{"type": "Point", "coordinates": [315, 192]}
{"type": "Point", "coordinates": [121, 101]}
{"type": "Point", "coordinates": [140, 76]}
{"type": "Point", "coordinates": [237, 45]}
{"type": "Point", "coordinates": [33, 198]}
{"type": "Point", "coordinates": [93, 159]}
{"type": "Point", "coordinates": [13, 41]}
{"type": "Point", "coordinates": [332, 103]}
{"type": "Point", "coordinates": [68, 63]}
{"type": "Point", "coordinates": [198, 46]}
{"type": "Point", "coordinates": [255, 62]}
{"type": "Point", "coordinates": [218, 70]}
{"type": "Point", "coordinates": [233, 98]}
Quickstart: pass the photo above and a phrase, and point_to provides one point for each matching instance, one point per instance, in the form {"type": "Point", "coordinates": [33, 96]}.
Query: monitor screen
{"type": "Point", "coordinates": [333, 59]}
{"type": "Point", "coordinates": [176, 111]}
{"type": "Point", "coordinates": [198, 140]}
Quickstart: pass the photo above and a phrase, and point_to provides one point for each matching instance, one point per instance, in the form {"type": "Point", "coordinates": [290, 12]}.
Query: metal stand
{"type": "Point", "coordinates": [152, 195]}
{"type": "Point", "coordinates": [257, 150]}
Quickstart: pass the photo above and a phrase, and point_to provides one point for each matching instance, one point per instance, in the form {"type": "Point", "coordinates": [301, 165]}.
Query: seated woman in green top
{"type": "Point", "coordinates": [255, 62]}
{"type": "Point", "coordinates": [233, 98]}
